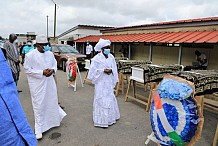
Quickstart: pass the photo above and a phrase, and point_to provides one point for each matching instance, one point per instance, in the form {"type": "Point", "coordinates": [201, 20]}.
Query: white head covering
{"type": "Point", "coordinates": [41, 39]}
{"type": "Point", "coordinates": [101, 43]}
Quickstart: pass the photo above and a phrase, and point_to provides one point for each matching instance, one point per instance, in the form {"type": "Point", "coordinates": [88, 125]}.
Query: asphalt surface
{"type": "Point", "coordinates": [77, 127]}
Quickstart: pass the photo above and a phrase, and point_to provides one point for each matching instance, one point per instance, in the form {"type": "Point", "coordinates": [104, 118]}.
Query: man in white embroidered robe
{"type": "Point", "coordinates": [103, 73]}
{"type": "Point", "coordinates": [40, 65]}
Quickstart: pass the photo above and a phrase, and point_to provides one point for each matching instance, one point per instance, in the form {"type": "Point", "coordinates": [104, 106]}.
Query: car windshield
{"type": "Point", "coordinates": [68, 49]}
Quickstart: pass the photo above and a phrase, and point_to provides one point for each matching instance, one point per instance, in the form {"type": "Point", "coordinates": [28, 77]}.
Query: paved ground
{"type": "Point", "coordinates": [77, 127]}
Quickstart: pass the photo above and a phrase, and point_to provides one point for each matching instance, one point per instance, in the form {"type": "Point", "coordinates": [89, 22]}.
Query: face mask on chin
{"type": "Point", "coordinates": [46, 48]}
{"type": "Point", "coordinates": [15, 41]}
{"type": "Point", "coordinates": [106, 51]}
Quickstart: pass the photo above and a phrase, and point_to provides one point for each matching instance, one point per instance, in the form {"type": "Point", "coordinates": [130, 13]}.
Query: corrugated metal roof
{"type": "Point", "coordinates": [94, 27]}
{"type": "Point", "coordinates": [208, 19]}
{"type": "Point", "coordinates": [162, 37]}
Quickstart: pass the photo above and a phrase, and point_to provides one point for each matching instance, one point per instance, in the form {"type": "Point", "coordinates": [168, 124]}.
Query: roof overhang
{"type": "Point", "coordinates": [161, 37]}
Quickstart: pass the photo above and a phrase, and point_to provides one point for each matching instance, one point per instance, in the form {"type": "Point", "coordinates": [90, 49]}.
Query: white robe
{"type": "Point", "coordinates": [43, 90]}
{"type": "Point", "coordinates": [105, 107]}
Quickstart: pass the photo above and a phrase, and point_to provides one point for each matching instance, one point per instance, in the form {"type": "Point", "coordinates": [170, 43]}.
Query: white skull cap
{"type": "Point", "coordinates": [41, 39]}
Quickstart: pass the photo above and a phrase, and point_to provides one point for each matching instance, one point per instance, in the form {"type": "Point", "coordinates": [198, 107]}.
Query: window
{"type": "Point", "coordinates": [68, 49]}
{"type": "Point", "coordinates": [54, 49]}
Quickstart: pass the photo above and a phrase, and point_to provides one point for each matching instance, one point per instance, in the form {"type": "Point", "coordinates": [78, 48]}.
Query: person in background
{"type": "Point", "coordinates": [15, 129]}
{"type": "Point", "coordinates": [40, 66]}
{"type": "Point", "coordinates": [12, 55]}
{"type": "Point", "coordinates": [26, 49]}
{"type": "Point", "coordinates": [202, 60]}
{"type": "Point", "coordinates": [89, 50]}
{"type": "Point", "coordinates": [103, 73]}
{"type": "Point", "coordinates": [21, 48]}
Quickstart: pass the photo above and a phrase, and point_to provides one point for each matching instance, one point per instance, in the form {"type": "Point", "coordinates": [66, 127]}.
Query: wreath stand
{"type": "Point", "coordinates": [73, 84]}
{"type": "Point", "coordinates": [152, 138]}
{"type": "Point", "coordinates": [215, 137]}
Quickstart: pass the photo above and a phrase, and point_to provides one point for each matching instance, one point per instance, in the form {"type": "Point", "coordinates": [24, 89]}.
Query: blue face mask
{"type": "Point", "coordinates": [106, 51]}
{"type": "Point", "coordinates": [46, 48]}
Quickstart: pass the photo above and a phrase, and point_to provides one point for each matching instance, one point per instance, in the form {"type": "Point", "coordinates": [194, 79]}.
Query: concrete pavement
{"type": "Point", "coordinates": [77, 127]}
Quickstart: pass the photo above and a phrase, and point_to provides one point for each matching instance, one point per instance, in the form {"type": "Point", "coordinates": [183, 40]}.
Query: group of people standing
{"type": "Point", "coordinates": [40, 67]}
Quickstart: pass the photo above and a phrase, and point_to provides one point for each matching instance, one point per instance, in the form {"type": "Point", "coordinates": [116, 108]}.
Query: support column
{"type": "Point", "coordinates": [83, 48]}
{"type": "Point", "coordinates": [150, 52]}
{"type": "Point", "coordinates": [75, 45]}
{"type": "Point", "coordinates": [129, 55]}
{"type": "Point", "coordinates": [180, 55]}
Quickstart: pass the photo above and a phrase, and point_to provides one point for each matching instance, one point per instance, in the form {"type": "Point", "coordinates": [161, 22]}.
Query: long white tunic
{"type": "Point", "coordinates": [105, 107]}
{"type": "Point", "coordinates": [89, 49]}
{"type": "Point", "coordinates": [43, 90]}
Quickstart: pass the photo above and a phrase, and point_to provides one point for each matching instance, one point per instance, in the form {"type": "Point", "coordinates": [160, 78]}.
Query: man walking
{"type": "Point", "coordinates": [40, 66]}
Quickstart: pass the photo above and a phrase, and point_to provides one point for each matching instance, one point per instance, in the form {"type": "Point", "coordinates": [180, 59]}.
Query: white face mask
{"type": "Point", "coordinates": [29, 44]}
{"type": "Point", "coordinates": [15, 41]}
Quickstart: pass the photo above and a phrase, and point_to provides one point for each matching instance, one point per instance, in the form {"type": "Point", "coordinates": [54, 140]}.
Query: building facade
{"type": "Point", "coordinates": [79, 31]}
{"type": "Point", "coordinates": [171, 42]}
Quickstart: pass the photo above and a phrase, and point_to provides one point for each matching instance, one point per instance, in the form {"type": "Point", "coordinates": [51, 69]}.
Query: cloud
{"type": "Point", "coordinates": [22, 16]}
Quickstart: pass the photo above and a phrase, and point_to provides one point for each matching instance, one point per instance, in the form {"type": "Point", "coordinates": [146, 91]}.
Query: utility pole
{"type": "Point", "coordinates": [47, 26]}
{"type": "Point", "coordinates": [54, 19]}
{"type": "Point", "coordinates": [55, 22]}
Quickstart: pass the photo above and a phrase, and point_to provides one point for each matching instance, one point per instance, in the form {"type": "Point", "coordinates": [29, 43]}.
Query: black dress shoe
{"type": "Point", "coordinates": [60, 106]}
{"type": "Point", "coordinates": [19, 91]}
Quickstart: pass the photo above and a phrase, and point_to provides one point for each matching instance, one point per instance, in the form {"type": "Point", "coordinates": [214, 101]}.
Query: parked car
{"type": "Point", "coordinates": [1, 44]}
{"type": "Point", "coordinates": [62, 52]}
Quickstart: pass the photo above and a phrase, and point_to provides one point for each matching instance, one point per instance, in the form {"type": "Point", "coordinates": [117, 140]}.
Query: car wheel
{"type": "Point", "coordinates": [64, 66]}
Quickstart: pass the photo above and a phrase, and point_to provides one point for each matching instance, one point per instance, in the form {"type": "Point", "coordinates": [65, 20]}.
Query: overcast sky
{"type": "Point", "coordinates": [22, 16]}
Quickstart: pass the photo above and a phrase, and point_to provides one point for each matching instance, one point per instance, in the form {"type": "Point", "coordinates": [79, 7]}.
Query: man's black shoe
{"type": "Point", "coordinates": [60, 106]}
